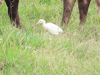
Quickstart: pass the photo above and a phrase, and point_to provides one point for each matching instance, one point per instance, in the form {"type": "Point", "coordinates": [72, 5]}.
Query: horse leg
{"type": "Point", "coordinates": [13, 12]}
{"type": "Point", "coordinates": [83, 6]}
{"type": "Point", "coordinates": [67, 9]}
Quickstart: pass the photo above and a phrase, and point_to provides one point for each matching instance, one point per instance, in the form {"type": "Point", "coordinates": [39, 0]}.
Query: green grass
{"type": "Point", "coordinates": [33, 52]}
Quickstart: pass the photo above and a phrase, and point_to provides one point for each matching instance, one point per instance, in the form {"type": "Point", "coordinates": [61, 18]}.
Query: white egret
{"type": "Point", "coordinates": [50, 27]}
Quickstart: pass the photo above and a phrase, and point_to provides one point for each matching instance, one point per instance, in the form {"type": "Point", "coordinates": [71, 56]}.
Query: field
{"type": "Point", "coordinates": [33, 52]}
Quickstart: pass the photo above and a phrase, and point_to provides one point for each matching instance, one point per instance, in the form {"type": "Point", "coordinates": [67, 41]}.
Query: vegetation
{"type": "Point", "coordinates": [33, 52]}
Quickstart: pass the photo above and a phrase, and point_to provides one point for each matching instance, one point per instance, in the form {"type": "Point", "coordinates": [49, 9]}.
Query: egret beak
{"type": "Point", "coordinates": [37, 23]}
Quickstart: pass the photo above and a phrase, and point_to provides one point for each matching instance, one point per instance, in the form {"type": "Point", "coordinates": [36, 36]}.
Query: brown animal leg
{"type": "Point", "coordinates": [13, 12]}
{"type": "Point", "coordinates": [83, 9]}
{"type": "Point", "coordinates": [67, 9]}
{"type": "Point", "coordinates": [98, 5]}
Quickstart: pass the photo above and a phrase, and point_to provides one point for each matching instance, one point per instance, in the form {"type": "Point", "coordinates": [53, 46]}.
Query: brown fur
{"type": "Point", "coordinates": [13, 12]}
{"type": "Point", "coordinates": [68, 6]}
{"type": "Point", "coordinates": [83, 6]}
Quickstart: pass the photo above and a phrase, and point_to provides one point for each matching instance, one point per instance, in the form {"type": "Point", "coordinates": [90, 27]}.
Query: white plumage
{"type": "Point", "coordinates": [50, 27]}
{"type": "Point", "coordinates": [0, 39]}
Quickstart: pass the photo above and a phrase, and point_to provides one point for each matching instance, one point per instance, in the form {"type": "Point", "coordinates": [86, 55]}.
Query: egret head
{"type": "Point", "coordinates": [41, 21]}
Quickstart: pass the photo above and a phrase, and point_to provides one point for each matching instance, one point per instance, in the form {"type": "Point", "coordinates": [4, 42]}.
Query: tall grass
{"type": "Point", "coordinates": [33, 52]}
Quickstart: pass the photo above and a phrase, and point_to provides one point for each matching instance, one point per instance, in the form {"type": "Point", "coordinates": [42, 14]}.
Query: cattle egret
{"type": "Point", "coordinates": [50, 27]}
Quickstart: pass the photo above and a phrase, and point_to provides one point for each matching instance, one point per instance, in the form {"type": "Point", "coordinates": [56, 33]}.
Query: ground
{"type": "Point", "coordinates": [31, 51]}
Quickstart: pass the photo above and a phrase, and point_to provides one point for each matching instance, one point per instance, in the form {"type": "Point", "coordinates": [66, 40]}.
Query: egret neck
{"type": "Point", "coordinates": [43, 23]}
